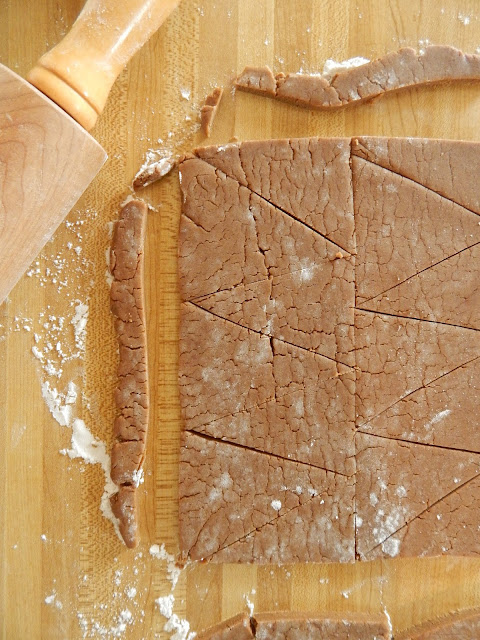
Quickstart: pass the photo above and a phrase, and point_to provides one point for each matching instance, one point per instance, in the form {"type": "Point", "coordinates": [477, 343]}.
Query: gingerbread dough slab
{"type": "Point", "coordinates": [131, 395]}
{"type": "Point", "coordinates": [312, 626]}
{"type": "Point", "coordinates": [238, 504]}
{"type": "Point", "coordinates": [397, 70]}
{"type": "Point", "coordinates": [289, 346]}
{"type": "Point", "coordinates": [462, 625]}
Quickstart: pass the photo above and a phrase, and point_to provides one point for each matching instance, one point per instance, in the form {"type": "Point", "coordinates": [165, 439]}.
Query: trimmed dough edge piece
{"type": "Point", "coordinates": [396, 70]}
{"type": "Point", "coordinates": [237, 627]}
{"type": "Point", "coordinates": [298, 625]}
{"type": "Point", "coordinates": [209, 110]}
{"type": "Point", "coordinates": [131, 395]}
{"type": "Point", "coordinates": [464, 625]}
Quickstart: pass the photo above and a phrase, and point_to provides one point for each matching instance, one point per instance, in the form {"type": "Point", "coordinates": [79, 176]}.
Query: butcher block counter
{"type": "Point", "coordinates": [64, 572]}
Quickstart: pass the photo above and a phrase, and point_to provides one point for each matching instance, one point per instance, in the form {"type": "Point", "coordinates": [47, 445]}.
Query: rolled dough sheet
{"type": "Point", "coordinates": [462, 625]}
{"type": "Point", "coordinates": [397, 70]}
{"type": "Point", "coordinates": [291, 358]}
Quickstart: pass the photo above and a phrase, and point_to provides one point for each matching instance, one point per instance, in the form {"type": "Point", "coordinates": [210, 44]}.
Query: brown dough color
{"type": "Point", "coordinates": [131, 395]}
{"type": "Point", "coordinates": [397, 70]}
{"type": "Point", "coordinates": [288, 625]}
{"type": "Point", "coordinates": [236, 503]}
{"type": "Point", "coordinates": [312, 626]}
{"type": "Point", "coordinates": [238, 627]}
{"type": "Point", "coordinates": [124, 508]}
{"type": "Point", "coordinates": [461, 625]}
{"type": "Point", "coordinates": [209, 110]}
{"type": "Point", "coordinates": [329, 350]}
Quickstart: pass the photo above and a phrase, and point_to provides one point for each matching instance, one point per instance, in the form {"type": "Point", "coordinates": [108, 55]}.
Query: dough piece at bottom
{"type": "Point", "coordinates": [313, 626]}
{"type": "Point", "coordinates": [462, 625]}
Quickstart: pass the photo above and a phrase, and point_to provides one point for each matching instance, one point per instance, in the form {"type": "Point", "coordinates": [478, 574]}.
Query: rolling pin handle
{"type": "Point", "coordinates": [79, 72]}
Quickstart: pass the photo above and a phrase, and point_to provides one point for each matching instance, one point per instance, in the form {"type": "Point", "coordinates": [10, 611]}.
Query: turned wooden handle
{"type": "Point", "coordinates": [79, 72]}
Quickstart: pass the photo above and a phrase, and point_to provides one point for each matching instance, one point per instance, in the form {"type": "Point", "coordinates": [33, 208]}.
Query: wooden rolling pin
{"type": "Point", "coordinates": [47, 159]}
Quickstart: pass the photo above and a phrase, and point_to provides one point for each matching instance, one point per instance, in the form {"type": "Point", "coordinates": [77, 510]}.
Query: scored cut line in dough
{"type": "Point", "coordinates": [429, 350]}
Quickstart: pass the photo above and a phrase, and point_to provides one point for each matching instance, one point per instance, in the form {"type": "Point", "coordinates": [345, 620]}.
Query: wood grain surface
{"type": "Point", "coordinates": [79, 561]}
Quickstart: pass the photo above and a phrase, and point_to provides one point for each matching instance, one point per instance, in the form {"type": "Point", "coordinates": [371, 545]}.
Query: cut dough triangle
{"type": "Point", "coordinates": [228, 496]}
{"type": "Point", "coordinates": [449, 527]}
{"type": "Point", "coordinates": [398, 481]}
{"type": "Point", "coordinates": [447, 292]}
{"type": "Point", "coordinates": [402, 228]}
{"type": "Point", "coordinates": [448, 167]}
{"type": "Point", "coordinates": [396, 356]}
{"type": "Point", "coordinates": [265, 394]}
{"type": "Point", "coordinates": [444, 413]}
{"type": "Point", "coordinates": [311, 308]}
{"type": "Point", "coordinates": [309, 178]}
{"type": "Point", "coordinates": [313, 424]}
{"type": "Point", "coordinates": [230, 236]}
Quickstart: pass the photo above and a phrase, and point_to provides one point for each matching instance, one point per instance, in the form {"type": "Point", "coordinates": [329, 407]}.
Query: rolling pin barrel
{"type": "Point", "coordinates": [79, 72]}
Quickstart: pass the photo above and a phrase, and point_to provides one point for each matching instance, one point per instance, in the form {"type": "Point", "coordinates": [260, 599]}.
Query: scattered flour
{"type": "Point", "coordinates": [332, 67]}
{"type": "Point", "coordinates": [437, 418]}
{"type": "Point", "coordinates": [93, 451]}
{"type": "Point", "coordinates": [60, 404]}
{"type": "Point", "coordinates": [276, 504]}
{"type": "Point", "coordinates": [249, 603]}
{"type": "Point", "coordinates": [79, 322]}
{"type": "Point", "coordinates": [173, 572]}
{"type": "Point", "coordinates": [165, 605]}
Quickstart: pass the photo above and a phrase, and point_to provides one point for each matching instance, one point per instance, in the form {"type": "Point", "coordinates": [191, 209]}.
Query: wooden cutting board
{"type": "Point", "coordinates": [53, 539]}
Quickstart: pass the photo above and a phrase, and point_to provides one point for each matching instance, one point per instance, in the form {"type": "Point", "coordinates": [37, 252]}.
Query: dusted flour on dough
{"type": "Point", "coordinates": [328, 362]}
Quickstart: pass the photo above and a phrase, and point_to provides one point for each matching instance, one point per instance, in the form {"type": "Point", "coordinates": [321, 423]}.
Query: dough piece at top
{"type": "Point", "coordinates": [397, 70]}
{"type": "Point", "coordinates": [131, 395]}
{"type": "Point", "coordinates": [397, 482]}
{"type": "Point", "coordinates": [448, 167]}
{"type": "Point", "coordinates": [257, 80]}
{"type": "Point", "coordinates": [238, 627]}
{"type": "Point", "coordinates": [289, 625]}
{"type": "Point", "coordinates": [390, 211]}
{"type": "Point", "coordinates": [209, 110]}
{"type": "Point", "coordinates": [238, 505]}
{"type": "Point", "coordinates": [309, 178]}
{"type": "Point", "coordinates": [461, 625]}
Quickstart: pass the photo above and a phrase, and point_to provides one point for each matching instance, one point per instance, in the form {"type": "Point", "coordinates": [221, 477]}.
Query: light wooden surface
{"type": "Point", "coordinates": [204, 43]}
